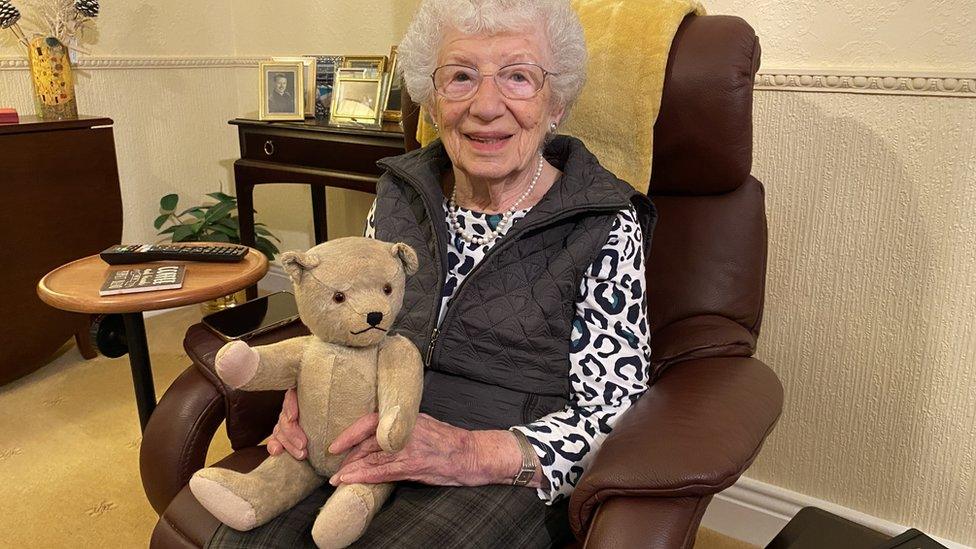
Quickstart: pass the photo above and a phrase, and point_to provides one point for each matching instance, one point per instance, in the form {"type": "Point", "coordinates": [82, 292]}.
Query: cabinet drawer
{"type": "Point", "coordinates": [321, 150]}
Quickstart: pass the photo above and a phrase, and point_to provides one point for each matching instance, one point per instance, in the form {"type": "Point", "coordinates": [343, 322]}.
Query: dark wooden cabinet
{"type": "Point", "coordinates": [60, 198]}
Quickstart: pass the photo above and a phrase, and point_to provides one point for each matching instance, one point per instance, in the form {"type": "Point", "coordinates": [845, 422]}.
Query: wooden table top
{"type": "Point", "coordinates": [74, 286]}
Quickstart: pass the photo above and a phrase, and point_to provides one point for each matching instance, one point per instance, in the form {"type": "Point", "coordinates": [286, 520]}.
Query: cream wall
{"type": "Point", "coordinates": [171, 123]}
{"type": "Point", "coordinates": [871, 293]}
{"type": "Point", "coordinates": [870, 307]}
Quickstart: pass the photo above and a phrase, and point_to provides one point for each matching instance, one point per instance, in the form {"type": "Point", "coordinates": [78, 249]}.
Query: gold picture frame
{"type": "Point", "coordinates": [281, 90]}
{"type": "Point", "coordinates": [372, 65]}
{"type": "Point", "coordinates": [356, 101]}
{"type": "Point", "coordinates": [309, 76]}
{"type": "Point", "coordinates": [392, 86]}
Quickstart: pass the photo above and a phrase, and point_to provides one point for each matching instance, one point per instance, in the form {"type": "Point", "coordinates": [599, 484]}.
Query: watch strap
{"type": "Point", "coordinates": [527, 471]}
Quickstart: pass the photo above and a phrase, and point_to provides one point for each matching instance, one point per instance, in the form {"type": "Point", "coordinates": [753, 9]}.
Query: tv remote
{"type": "Point", "coordinates": [124, 254]}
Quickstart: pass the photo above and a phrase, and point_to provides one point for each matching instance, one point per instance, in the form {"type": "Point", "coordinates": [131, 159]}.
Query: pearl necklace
{"type": "Point", "coordinates": [493, 235]}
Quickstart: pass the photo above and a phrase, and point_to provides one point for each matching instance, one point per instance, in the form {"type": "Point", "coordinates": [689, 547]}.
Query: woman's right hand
{"type": "Point", "coordinates": [288, 435]}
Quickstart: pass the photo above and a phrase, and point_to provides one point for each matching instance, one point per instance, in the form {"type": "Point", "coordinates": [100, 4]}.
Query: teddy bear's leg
{"type": "Point", "coordinates": [347, 513]}
{"type": "Point", "coordinates": [246, 500]}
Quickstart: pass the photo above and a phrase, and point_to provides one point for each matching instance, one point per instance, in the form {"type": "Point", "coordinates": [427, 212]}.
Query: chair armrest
{"type": "Point", "coordinates": [176, 439]}
{"type": "Point", "coordinates": [700, 336]}
{"type": "Point", "coordinates": [251, 415]}
{"type": "Point", "coordinates": [693, 432]}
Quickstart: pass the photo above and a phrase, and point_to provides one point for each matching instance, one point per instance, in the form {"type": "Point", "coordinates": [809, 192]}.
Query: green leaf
{"type": "Point", "coordinates": [168, 202]}
{"type": "Point", "coordinates": [169, 230]}
{"type": "Point", "coordinates": [160, 220]}
{"type": "Point", "coordinates": [230, 223]}
{"type": "Point", "coordinates": [222, 197]}
{"type": "Point", "coordinates": [183, 233]}
{"type": "Point", "coordinates": [196, 211]}
{"type": "Point", "coordinates": [223, 230]}
{"type": "Point", "coordinates": [219, 211]}
{"type": "Point", "coordinates": [266, 247]}
{"type": "Point", "coordinates": [218, 237]}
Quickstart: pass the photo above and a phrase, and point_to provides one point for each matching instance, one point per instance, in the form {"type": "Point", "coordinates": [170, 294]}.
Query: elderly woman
{"type": "Point", "coordinates": [529, 304]}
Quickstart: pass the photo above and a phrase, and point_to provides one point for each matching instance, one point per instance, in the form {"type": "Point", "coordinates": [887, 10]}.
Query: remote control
{"type": "Point", "coordinates": [124, 254]}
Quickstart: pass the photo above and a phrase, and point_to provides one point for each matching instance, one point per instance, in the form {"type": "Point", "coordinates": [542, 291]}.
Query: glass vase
{"type": "Point", "coordinates": [54, 85]}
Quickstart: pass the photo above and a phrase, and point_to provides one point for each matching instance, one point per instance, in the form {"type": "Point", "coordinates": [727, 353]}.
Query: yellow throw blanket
{"type": "Point", "coordinates": [628, 43]}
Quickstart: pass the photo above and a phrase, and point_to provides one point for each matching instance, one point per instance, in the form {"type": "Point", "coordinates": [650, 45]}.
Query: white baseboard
{"type": "Point", "coordinates": [754, 512]}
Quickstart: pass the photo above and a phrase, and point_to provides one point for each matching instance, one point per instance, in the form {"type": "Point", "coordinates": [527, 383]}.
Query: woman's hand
{"type": "Point", "coordinates": [288, 435]}
{"type": "Point", "coordinates": [436, 453]}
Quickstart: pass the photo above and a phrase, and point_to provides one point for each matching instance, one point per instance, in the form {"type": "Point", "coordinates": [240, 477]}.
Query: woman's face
{"type": "Point", "coordinates": [490, 136]}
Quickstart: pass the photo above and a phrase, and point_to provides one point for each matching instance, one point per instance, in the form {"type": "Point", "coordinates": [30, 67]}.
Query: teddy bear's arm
{"type": "Point", "coordinates": [262, 368]}
{"type": "Point", "coordinates": [399, 384]}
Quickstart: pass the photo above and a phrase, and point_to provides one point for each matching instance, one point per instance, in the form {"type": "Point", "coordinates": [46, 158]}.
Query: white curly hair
{"type": "Point", "coordinates": [417, 52]}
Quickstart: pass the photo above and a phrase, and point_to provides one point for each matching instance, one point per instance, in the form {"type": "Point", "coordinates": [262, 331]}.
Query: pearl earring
{"type": "Point", "coordinates": [552, 127]}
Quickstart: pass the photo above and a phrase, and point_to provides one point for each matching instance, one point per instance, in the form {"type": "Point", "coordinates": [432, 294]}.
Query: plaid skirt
{"type": "Point", "coordinates": [422, 516]}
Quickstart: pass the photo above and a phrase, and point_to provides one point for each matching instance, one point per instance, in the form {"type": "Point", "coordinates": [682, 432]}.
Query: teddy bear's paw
{"type": "Point", "coordinates": [225, 505]}
{"type": "Point", "coordinates": [236, 363]}
{"type": "Point", "coordinates": [391, 431]}
{"type": "Point", "coordinates": [344, 517]}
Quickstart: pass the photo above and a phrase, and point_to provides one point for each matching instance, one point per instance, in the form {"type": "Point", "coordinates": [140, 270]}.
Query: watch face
{"type": "Point", "coordinates": [524, 476]}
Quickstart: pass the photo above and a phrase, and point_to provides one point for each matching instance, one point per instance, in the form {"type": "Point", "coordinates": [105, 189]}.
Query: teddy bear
{"type": "Point", "coordinates": [348, 292]}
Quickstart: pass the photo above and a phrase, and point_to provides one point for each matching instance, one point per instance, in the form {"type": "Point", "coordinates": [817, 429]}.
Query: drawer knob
{"type": "Point", "coordinates": [269, 147]}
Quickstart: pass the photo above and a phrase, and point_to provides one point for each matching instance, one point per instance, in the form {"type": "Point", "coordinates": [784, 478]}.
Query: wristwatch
{"type": "Point", "coordinates": [527, 471]}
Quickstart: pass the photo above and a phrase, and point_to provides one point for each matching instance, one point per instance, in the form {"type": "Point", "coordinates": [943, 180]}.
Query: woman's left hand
{"type": "Point", "coordinates": [436, 453]}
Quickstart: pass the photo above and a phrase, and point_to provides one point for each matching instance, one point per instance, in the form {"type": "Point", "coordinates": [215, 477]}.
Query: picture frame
{"type": "Point", "coordinates": [308, 76]}
{"type": "Point", "coordinates": [392, 87]}
{"type": "Point", "coordinates": [356, 101]}
{"type": "Point", "coordinates": [325, 71]}
{"type": "Point", "coordinates": [373, 66]}
{"type": "Point", "coordinates": [281, 89]}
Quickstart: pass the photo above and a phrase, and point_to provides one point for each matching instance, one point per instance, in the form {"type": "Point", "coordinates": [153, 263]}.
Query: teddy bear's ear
{"type": "Point", "coordinates": [296, 263]}
{"type": "Point", "coordinates": [406, 254]}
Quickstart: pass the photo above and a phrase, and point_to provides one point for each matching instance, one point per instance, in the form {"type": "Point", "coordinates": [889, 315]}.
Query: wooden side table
{"type": "Point", "coordinates": [74, 287]}
{"type": "Point", "coordinates": [309, 153]}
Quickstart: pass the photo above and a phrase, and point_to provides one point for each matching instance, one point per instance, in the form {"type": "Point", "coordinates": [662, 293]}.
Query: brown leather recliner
{"type": "Point", "coordinates": [704, 418]}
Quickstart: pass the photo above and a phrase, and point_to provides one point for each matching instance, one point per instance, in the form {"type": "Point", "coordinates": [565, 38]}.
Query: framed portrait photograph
{"type": "Point", "coordinates": [392, 87]}
{"type": "Point", "coordinates": [308, 76]}
{"type": "Point", "coordinates": [282, 91]}
{"type": "Point", "coordinates": [325, 72]}
{"type": "Point", "coordinates": [357, 101]}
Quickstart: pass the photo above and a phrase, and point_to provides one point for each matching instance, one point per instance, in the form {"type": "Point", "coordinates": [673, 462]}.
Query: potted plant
{"type": "Point", "coordinates": [211, 223]}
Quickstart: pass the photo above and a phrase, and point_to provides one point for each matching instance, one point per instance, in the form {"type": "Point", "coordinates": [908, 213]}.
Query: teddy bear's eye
{"type": "Point", "coordinates": [387, 289]}
{"type": "Point", "coordinates": [338, 297]}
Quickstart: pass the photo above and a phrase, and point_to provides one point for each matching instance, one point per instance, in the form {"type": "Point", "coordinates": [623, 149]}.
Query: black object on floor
{"type": "Point", "coordinates": [814, 528]}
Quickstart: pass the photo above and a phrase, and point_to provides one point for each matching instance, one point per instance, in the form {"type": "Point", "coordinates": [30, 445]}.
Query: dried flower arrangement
{"type": "Point", "coordinates": [62, 19]}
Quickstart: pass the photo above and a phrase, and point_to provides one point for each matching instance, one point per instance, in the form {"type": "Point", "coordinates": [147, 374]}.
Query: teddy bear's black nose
{"type": "Point", "coordinates": [374, 318]}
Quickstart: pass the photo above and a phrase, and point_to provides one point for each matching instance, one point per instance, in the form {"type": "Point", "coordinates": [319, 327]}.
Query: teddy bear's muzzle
{"type": "Point", "coordinates": [373, 319]}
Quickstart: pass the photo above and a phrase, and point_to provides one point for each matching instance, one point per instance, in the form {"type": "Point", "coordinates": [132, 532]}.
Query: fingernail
{"type": "Point", "coordinates": [332, 448]}
{"type": "Point", "coordinates": [301, 454]}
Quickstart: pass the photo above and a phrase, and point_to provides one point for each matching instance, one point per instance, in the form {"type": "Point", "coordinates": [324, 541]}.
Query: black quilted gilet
{"type": "Point", "coordinates": [501, 355]}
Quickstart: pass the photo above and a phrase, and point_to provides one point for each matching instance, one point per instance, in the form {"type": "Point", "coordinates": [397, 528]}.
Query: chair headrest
{"type": "Point", "coordinates": [703, 133]}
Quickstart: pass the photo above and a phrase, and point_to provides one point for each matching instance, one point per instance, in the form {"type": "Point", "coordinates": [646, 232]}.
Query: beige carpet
{"type": "Point", "coordinates": [69, 449]}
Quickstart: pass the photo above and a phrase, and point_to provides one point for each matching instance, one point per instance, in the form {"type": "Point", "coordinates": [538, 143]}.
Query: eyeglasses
{"type": "Point", "coordinates": [516, 81]}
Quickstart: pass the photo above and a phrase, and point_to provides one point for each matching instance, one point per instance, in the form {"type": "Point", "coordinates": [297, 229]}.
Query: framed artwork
{"type": "Point", "coordinates": [371, 66]}
{"type": "Point", "coordinates": [392, 86]}
{"type": "Point", "coordinates": [325, 71]}
{"type": "Point", "coordinates": [308, 76]}
{"type": "Point", "coordinates": [356, 100]}
{"type": "Point", "coordinates": [281, 89]}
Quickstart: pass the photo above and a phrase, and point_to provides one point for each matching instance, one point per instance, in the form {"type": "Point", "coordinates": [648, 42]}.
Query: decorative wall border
{"type": "Point", "coordinates": [886, 83]}
{"type": "Point", "coordinates": [801, 80]}
{"type": "Point", "coordinates": [134, 63]}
